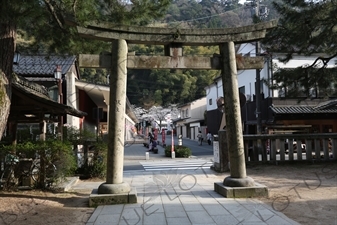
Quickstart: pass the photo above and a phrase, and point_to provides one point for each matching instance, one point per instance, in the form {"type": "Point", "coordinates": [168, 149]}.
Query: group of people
{"type": "Point", "coordinates": [153, 143]}
{"type": "Point", "coordinates": [208, 137]}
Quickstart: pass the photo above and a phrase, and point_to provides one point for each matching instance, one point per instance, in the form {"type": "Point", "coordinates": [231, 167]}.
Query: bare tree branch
{"type": "Point", "coordinates": [53, 12]}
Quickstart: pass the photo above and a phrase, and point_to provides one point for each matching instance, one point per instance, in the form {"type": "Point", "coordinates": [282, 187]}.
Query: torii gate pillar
{"type": "Point", "coordinates": [238, 184]}
{"type": "Point", "coordinates": [115, 190]}
{"type": "Point", "coordinates": [233, 125]}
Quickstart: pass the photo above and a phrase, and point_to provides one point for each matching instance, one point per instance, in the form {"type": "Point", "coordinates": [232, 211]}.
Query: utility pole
{"type": "Point", "coordinates": [261, 12]}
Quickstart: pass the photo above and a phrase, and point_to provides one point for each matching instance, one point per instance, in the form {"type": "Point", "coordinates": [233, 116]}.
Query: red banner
{"type": "Point", "coordinates": [172, 148]}
{"type": "Point", "coordinates": [155, 135]}
{"type": "Point", "coordinates": [163, 137]}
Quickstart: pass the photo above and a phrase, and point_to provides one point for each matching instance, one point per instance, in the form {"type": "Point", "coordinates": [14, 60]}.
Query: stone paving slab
{"type": "Point", "coordinates": [162, 201]}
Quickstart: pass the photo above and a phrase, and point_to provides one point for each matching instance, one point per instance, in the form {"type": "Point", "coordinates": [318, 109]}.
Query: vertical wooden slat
{"type": "Point", "coordinates": [264, 150]}
{"type": "Point", "coordinates": [282, 152]}
{"type": "Point", "coordinates": [252, 150]}
{"type": "Point", "coordinates": [291, 149]}
{"type": "Point", "coordinates": [334, 148]}
{"type": "Point", "coordinates": [325, 149]}
{"type": "Point", "coordinates": [299, 150]}
{"type": "Point", "coordinates": [317, 149]}
{"type": "Point", "coordinates": [308, 149]}
{"type": "Point", "coordinates": [273, 150]}
{"type": "Point", "coordinates": [256, 151]}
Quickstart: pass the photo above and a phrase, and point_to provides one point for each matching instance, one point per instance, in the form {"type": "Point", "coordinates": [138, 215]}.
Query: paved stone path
{"type": "Point", "coordinates": [183, 197]}
{"type": "Point", "coordinates": [170, 194]}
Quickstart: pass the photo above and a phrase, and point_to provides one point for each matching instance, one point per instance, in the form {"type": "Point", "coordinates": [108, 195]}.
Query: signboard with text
{"type": "Point", "coordinates": [216, 151]}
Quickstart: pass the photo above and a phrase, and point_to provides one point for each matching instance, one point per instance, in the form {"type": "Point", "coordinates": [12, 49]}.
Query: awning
{"type": "Point", "coordinates": [100, 95]}
{"type": "Point", "coordinates": [31, 103]}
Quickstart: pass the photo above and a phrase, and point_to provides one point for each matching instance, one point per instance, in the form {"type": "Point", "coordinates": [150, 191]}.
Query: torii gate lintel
{"type": "Point", "coordinates": [171, 62]}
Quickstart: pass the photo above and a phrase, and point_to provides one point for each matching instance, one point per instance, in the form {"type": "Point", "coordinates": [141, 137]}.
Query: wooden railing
{"type": "Point", "coordinates": [290, 147]}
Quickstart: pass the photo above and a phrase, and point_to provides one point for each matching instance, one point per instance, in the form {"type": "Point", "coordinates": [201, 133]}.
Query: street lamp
{"type": "Point", "coordinates": [58, 77]}
{"type": "Point", "coordinates": [16, 57]}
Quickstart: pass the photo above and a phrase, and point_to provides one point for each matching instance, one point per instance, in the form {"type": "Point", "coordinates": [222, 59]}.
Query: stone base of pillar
{"type": "Point", "coordinates": [239, 182]}
{"type": "Point", "coordinates": [96, 199]}
{"type": "Point", "coordinates": [258, 190]}
{"type": "Point", "coordinates": [114, 188]}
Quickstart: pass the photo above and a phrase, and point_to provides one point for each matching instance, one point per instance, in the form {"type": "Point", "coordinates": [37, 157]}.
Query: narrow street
{"type": "Point", "coordinates": [134, 156]}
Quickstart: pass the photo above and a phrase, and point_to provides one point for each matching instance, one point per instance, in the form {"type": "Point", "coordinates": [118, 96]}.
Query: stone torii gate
{"type": "Point", "coordinates": [173, 40]}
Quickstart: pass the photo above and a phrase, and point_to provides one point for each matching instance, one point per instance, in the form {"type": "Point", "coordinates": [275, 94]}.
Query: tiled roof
{"type": "Point", "coordinates": [42, 65]}
{"type": "Point", "coordinates": [326, 104]}
{"type": "Point", "coordinates": [32, 87]}
{"type": "Point", "coordinates": [325, 107]}
{"type": "Point", "coordinates": [40, 94]}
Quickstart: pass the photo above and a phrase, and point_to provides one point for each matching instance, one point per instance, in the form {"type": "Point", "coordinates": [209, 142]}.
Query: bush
{"type": "Point", "coordinates": [54, 152]}
{"type": "Point", "coordinates": [96, 166]}
{"type": "Point", "coordinates": [180, 150]}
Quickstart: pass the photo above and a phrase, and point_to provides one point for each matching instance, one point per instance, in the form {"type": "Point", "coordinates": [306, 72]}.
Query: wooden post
{"type": "Point", "coordinates": [42, 153]}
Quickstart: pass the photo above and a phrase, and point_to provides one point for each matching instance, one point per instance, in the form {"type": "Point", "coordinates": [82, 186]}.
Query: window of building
{"type": "Point", "coordinates": [53, 94]}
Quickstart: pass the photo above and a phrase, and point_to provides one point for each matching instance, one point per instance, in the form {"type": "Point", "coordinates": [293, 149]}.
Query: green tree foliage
{"type": "Point", "coordinates": [44, 22]}
{"type": "Point", "coordinates": [306, 28]}
{"type": "Point", "coordinates": [203, 14]}
{"type": "Point", "coordinates": [45, 26]}
{"type": "Point", "coordinates": [163, 87]}
{"type": "Point", "coordinates": [95, 76]}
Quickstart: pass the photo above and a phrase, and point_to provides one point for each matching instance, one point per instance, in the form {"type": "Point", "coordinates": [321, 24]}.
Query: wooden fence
{"type": "Point", "coordinates": [290, 147]}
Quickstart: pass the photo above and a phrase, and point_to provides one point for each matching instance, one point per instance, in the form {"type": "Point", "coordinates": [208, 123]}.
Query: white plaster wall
{"type": "Point", "coordinates": [129, 124]}
{"type": "Point", "coordinates": [183, 111]}
{"type": "Point", "coordinates": [72, 99]}
{"type": "Point", "coordinates": [299, 60]}
{"type": "Point", "coordinates": [184, 131]}
{"type": "Point", "coordinates": [213, 91]}
{"type": "Point", "coordinates": [198, 108]}
{"type": "Point", "coordinates": [247, 78]}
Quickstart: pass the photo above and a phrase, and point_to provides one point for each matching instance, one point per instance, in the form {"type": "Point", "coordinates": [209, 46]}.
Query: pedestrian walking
{"type": "Point", "coordinates": [200, 138]}
{"type": "Point", "coordinates": [209, 138]}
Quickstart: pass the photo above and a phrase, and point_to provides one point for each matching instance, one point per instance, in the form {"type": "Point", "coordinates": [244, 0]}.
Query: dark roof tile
{"type": "Point", "coordinates": [42, 65]}
{"type": "Point", "coordinates": [328, 108]}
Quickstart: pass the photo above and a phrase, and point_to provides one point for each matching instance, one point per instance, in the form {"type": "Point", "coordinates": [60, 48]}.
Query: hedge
{"type": "Point", "coordinates": [180, 151]}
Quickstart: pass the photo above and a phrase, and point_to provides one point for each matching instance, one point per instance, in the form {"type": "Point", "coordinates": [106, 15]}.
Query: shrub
{"type": "Point", "coordinates": [96, 166]}
{"type": "Point", "coordinates": [180, 150]}
{"type": "Point", "coordinates": [54, 152]}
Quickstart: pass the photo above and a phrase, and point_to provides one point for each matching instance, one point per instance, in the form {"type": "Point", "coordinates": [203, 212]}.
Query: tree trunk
{"type": "Point", "coordinates": [7, 49]}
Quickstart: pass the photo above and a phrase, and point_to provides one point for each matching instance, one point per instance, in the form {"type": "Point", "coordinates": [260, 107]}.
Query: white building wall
{"type": "Point", "coordinates": [198, 108]}
{"type": "Point", "coordinates": [129, 125]}
{"type": "Point", "coordinates": [213, 92]}
{"type": "Point", "coordinates": [72, 99]}
{"type": "Point", "coordinates": [183, 109]}
{"type": "Point", "coordinates": [247, 78]}
{"type": "Point", "coordinates": [299, 60]}
{"type": "Point", "coordinates": [184, 131]}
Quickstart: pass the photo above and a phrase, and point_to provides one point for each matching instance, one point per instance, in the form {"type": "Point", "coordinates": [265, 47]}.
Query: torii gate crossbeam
{"type": "Point", "coordinates": [164, 36]}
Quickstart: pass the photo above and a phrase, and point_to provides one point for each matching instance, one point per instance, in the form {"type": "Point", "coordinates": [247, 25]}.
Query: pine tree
{"type": "Point", "coordinates": [43, 24]}
{"type": "Point", "coordinates": [306, 28]}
